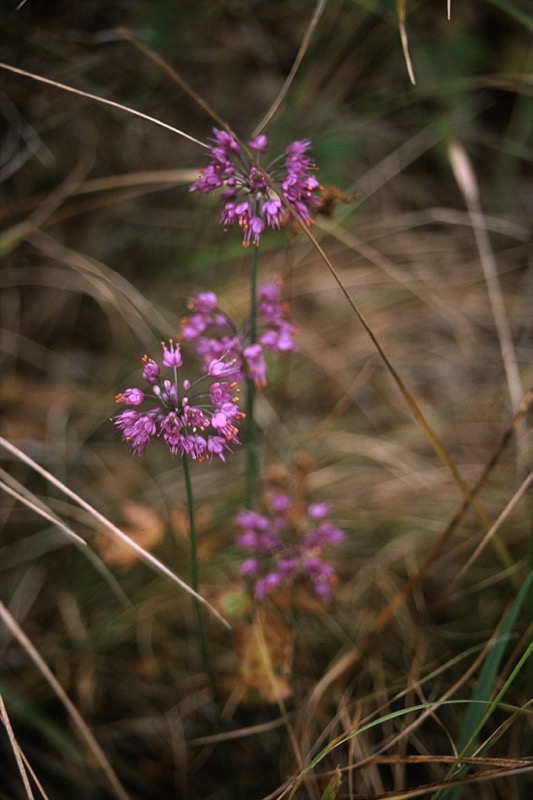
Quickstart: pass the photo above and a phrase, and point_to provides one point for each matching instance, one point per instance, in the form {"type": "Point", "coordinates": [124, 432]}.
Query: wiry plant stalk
{"type": "Point", "coordinates": [252, 461]}
{"type": "Point", "coordinates": [195, 578]}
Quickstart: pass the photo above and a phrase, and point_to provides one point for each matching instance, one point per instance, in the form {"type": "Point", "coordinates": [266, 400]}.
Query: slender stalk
{"type": "Point", "coordinates": [252, 463]}
{"type": "Point", "coordinates": [195, 578]}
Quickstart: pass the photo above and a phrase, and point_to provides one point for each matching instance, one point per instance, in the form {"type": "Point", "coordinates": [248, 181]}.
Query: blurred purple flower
{"type": "Point", "coordinates": [249, 198]}
{"type": "Point", "coordinates": [281, 550]}
{"type": "Point", "coordinates": [199, 419]}
{"type": "Point", "coordinates": [215, 335]}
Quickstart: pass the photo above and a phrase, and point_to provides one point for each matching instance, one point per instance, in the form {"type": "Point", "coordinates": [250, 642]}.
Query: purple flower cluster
{"type": "Point", "coordinates": [249, 198]}
{"type": "Point", "coordinates": [283, 548]}
{"type": "Point", "coordinates": [215, 335]}
{"type": "Point", "coordinates": [200, 425]}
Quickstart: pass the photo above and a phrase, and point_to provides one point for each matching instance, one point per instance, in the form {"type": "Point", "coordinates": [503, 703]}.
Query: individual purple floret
{"type": "Point", "coordinates": [249, 198]}
{"type": "Point", "coordinates": [198, 419]}
{"type": "Point", "coordinates": [282, 549]}
{"type": "Point", "coordinates": [216, 336]}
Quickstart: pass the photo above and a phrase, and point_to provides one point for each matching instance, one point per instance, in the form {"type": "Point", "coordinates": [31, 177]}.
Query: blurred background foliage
{"type": "Point", "coordinates": [101, 243]}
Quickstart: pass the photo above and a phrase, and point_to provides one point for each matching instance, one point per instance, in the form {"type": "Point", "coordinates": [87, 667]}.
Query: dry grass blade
{"type": "Point", "coordinates": [27, 498]}
{"type": "Point", "coordinates": [313, 22]}
{"type": "Point", "coordinates": [402, 13]}
{"type": "Point", "coordinates": [467, 182]}
{"type": "Point", "coordinates": [45, 209]}
{"type": "Point", "coordinates": [504, 763]}
{"type": "Point", "coordinates": [430, 789]}
{"type": "Point", "coordinates": [98, 99]}
{"type": "Point", "coordinates": [114, 290]}
{"type": "Point", "coordinates": [76, 717]}
{"type": "Point", "coordinates": [147, 557]}
{"type": "Point", "coordinates": [239, 733]}
{"type": "Point", "coordinates": [426, 708]}
{"type": "Point", "coordinates": [349, 659]}
{"type": "Point", "coordinates": [116, 188]}
{"type": "Point", "coordinates": [17, 752]}
{"type": "Point", "coordinates": [36, 506]}
{"type": "Point", "coordinates": [430, 710]}
{"type": "Point", "coordinates": [373, 256]}
{"type": "Point", "coordinates": [165, 67]}
{"type": "Point", "coordinates": [407, 395]}
{"type": "Point", "coordinates": [511, 505]}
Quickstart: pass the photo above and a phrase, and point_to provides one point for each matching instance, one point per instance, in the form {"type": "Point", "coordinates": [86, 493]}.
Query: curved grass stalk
{"type": "Point", "coordinates": [313, 22]}
{"type": "Point", "coordinates": [428, 707]}
{"type": "Point", "coordinates": [142, 315]}
{"type": "Point", "coordinates": [407, 395]}
{"type": "Point", "coordinates": [172, 73]}
{"type": "Point", "coordinates": [99, 99]}
{"type": "Point", "coordinates": [23, 763]}
{"type": "Point", "coordinates": [50, 208]}
{"type": "Point", "coordinates": [511, 505]}
{"type": "Point", "coordinates": [15, 747]}
{"type": "Point", "coordinates": [349, 659]}
{"type": "Point", "coordinates": [11, 237]}
{"type": "Point", "coordinates": [476, 717]}
{"type": "Point", "coordinates": [80, 724]}
{"type": "Point", "coordinates": [35, 505]}
{"type": "Point", "coordinates": [23, 495]}
{"type": "Point", "coordinates": [147, 557]}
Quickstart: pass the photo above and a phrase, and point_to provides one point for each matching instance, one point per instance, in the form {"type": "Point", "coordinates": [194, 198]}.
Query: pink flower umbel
{"type": "Point", "coordinates": [282, 550]}
{"type": "Point", "coordinates": [215, 335]}
{"type": "Point", "coordinates": [198, 419]}
{"type": "Point", "coordinates": [249, 198]}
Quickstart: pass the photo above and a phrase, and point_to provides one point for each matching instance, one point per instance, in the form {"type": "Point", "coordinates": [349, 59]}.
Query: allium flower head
{"type": "Point", "coordinates": [198, 419]}
{"type": "Point", "coordinates": [215, 335]}
{"type": "Point", "coordinates": [249, 198]}
{"type": "Point", "coordinates": [281, 549]}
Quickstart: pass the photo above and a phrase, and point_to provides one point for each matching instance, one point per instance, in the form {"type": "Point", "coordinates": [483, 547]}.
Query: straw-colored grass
{"type": "Point", "coordinates": [406, 407]}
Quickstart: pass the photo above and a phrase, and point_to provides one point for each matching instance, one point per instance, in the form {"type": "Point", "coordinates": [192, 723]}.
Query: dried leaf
{"type": "Point", "coordinates": [264, 650]}
{"type": "Point", "coordinates": [329, 197]}
{"type": "Point", "coordinates": [144, 526]}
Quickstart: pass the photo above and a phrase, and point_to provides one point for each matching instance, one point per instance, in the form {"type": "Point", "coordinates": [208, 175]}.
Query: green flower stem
{"type": "Point", "coordinates": [253, 295]}
{"type": "Point", "coordinates": [252, 462]}
{"type": "Point", "coordinates": [194, 578]}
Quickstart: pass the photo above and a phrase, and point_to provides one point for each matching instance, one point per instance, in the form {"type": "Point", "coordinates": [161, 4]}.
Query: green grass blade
{"type": "Point", "coordinates": [477, 713]}
{"type": "Point", "coordinates": [332, 789]}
